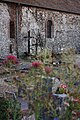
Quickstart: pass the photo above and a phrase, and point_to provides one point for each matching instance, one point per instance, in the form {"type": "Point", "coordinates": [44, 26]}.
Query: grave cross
{"type": "Point", "coordinates": [36, 44]}
{"type": "Point", "coordinates": [28, 37]}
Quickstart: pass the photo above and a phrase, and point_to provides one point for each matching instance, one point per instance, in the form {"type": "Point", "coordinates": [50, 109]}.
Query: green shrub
{"type": "Point", "coordinates": [9, 109]}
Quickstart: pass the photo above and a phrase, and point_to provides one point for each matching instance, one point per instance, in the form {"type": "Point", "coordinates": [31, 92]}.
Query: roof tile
{"type": "Point", "coordinates": [72, 6]}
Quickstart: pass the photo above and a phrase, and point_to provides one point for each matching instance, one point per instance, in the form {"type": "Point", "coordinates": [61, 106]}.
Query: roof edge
{"type": "Point", "coordinates": [37, 6]}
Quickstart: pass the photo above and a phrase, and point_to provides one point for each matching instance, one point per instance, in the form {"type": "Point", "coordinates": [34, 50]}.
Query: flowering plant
{"type": "Point", "coordinates": [10, 60]}
{"type": "Point", "coordinates": [36, 64]}
{"type": "Point", "coordinates": [62, 89]}
{"type": "Point", "coordinates": [38, 90]}
{"type": "Point", "coordinates": [48, 70]}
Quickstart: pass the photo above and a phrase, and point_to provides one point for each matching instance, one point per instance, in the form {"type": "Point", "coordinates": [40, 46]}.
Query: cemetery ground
{"type": "Point", "coordinates": [41, 87]}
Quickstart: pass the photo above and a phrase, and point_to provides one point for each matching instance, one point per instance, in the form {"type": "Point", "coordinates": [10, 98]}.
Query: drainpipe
{"type": "Point", "coordinates": [17, 29]}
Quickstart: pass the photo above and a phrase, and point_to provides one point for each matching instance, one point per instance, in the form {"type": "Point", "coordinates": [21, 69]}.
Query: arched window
{"type": "Point", "coordinates": [12, 29]}
{"type": "Point", "coordinates": [49, 25]}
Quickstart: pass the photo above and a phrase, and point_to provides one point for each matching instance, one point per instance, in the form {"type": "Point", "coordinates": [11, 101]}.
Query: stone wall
{"type": "Point", "coordinates": [32, 20]}
{"type": "Point", "coordinates": [65, 29]}
{"type": "Point", "coordinates": [4, 29]}
{"type": "Point", "coordinates": [12, 14]}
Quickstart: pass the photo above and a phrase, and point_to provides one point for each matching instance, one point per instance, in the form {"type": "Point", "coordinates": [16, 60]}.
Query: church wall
{"type": "Point", "coordinates": [65, 29]}
{"type": "Point", "coordinates": [4, 29]}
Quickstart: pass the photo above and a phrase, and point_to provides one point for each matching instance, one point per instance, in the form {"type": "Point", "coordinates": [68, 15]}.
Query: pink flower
{"type": "Point", "coordinates": [36, 64]}
{"type": "Point", "coordinates": [63, 86]}
{"type": "Point", "coordinates": [10, 58]}
{"type": "Point", "coordinates": [48, 69]}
